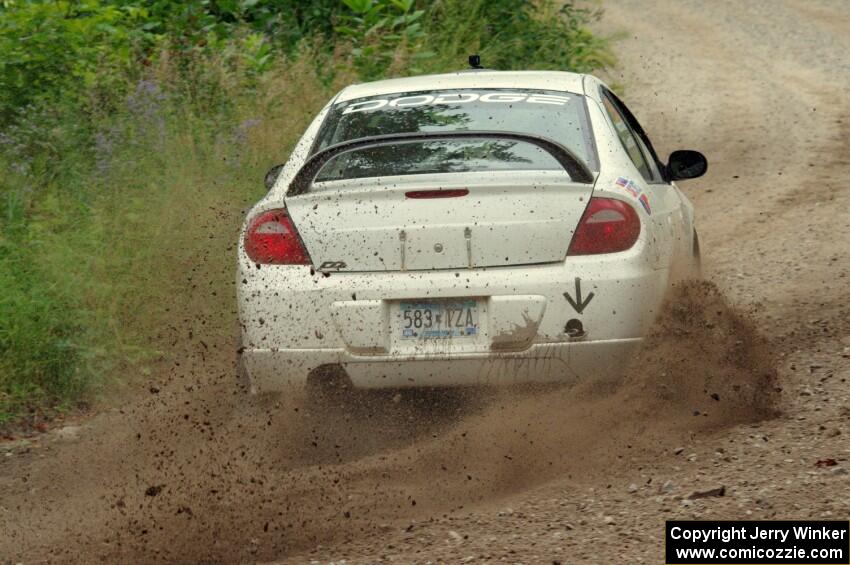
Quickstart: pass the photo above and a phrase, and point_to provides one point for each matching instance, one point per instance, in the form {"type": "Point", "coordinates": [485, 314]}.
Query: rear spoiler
{"type": "Point", "coordinates": [574, 166]}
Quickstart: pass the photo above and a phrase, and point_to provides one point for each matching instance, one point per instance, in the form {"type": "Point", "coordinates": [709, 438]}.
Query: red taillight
{"type": "Point", "coordinates": [271, 238]}
{"type": "Point", "coordinates": [607, 226]}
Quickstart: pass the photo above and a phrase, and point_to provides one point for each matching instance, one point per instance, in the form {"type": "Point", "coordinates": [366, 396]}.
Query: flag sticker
{"type": "Point", "coordinates": [635, 191]}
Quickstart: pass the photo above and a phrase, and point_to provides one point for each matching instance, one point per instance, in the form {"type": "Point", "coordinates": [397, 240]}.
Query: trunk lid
{"type": "Point", "coordinates": [506, 218]}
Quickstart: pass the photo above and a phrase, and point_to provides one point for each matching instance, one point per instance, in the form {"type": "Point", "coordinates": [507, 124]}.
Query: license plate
{"type": "Point", "coordinates": [427, 320]}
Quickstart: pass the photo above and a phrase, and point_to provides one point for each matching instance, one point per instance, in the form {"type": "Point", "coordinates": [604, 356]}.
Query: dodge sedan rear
{"type": "Point", "coordinates": [479, 227]}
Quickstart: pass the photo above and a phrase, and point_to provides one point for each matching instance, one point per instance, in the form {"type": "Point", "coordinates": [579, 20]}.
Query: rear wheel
{"type": "Point", "coordinates": [329, 384]}
{"type": "Point", "coordinates": [697, 258]}
{"type": "Point", "coordinates": [243, 380]}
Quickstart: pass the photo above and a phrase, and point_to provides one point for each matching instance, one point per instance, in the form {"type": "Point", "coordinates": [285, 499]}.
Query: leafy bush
{"type": "Point", "coordinates": [378, 29]}
{"type": "Point", "coordinates": [134, 134]}
{"type": "Point", "coordinates": [515, 35]}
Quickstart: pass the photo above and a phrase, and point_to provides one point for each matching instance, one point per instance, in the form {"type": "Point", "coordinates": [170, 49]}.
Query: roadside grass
{"type": "Point", "coordinates": [102, 267]}
{"type": "Point", "coordinates": [119, 215]}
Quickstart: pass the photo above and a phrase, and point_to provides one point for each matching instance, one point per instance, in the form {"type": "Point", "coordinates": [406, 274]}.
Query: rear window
{"type": "Point", "coordinates": [559, 116]}
{"type": "Point", "coordinates": [437, 156]}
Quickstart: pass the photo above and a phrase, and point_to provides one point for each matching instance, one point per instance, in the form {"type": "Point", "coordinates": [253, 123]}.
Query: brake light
{"type": "Point", "coordinates": [607, 226]}
{"type": "Point", "coordinates": [271, 238]}
{"type": "Point", "coordinates": [452, 193]}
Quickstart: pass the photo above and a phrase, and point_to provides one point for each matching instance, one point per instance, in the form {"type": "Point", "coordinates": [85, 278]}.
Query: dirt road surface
{"type": "Point", "coordinates": [190, 471]}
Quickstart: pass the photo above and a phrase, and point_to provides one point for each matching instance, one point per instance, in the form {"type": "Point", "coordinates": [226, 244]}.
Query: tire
{"type": "Point", "coordinates": [697, 257]}
{"type": "Point", "coordinates": [243, 379]}
{"type": "Point", "coordinates": [329, 384]}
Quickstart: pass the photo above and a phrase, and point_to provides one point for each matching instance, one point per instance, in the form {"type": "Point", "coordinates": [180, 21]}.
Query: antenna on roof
{"type": "Point", "coordinates": [475, 61]}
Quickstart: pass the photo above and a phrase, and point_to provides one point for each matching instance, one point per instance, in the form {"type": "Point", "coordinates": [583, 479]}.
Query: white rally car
{"type": "Point", "coordinates": [478, 227]}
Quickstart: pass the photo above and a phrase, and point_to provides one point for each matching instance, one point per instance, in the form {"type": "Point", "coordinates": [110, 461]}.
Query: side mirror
{"type": "Point", "coordinates": [271, 176]}
{"type": "Point", "coordinates": [686, 164]}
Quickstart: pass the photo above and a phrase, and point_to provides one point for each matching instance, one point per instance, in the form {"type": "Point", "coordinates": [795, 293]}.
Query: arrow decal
{"type": "Point", "coordinates": [578, 304]}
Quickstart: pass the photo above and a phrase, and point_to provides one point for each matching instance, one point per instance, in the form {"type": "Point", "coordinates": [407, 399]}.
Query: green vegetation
{"type": "Point", "coordinates": [133, 136]}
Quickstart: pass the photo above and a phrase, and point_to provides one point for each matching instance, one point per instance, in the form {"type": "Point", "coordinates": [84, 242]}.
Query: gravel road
{"type": "Point", "coordinates": [190, 472]}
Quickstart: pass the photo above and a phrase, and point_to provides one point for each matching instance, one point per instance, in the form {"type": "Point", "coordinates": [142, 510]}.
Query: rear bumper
{"type": "Point", "coordinates": [294, 321]}
{"type": "Point", "coordinates": [552, 362]}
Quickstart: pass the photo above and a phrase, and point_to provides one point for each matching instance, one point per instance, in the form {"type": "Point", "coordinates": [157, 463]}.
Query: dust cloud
{"type": "Point", "coordinates": [198, 471]}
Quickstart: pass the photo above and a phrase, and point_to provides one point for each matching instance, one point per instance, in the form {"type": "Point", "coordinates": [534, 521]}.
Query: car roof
{"type": "Point", "coordinates": [536, 80]}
